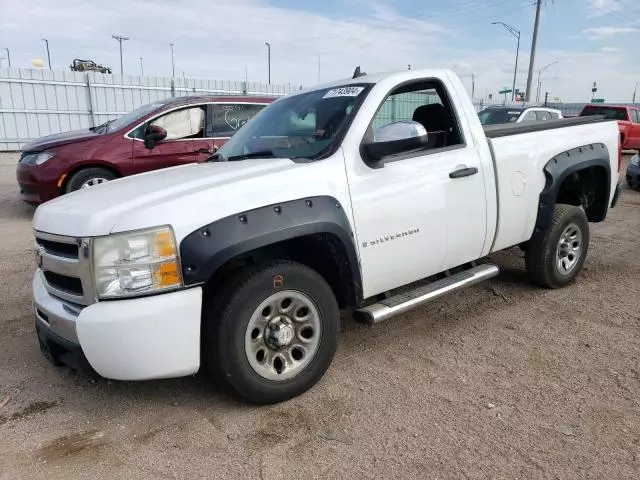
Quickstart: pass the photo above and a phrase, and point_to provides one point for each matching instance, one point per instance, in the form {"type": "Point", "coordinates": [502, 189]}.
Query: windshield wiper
{"type": "Point", "coordinates": [260, 153]}
{"type": "Point", "coordinates": [102, 126]}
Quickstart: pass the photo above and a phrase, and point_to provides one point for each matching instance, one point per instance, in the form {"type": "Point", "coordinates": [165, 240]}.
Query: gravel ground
{"type": "Point", "coordinates": [501, 381]}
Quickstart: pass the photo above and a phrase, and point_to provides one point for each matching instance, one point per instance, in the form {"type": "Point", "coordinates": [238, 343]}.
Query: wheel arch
{"type": "Point", "coordinates": [313, 231]}
{"type": "Point", "coordinates": [82, 166]}
{"type": "Point", "coordinates": [580, 177]}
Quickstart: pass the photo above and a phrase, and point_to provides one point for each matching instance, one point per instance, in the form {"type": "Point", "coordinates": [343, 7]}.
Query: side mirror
{"type": "Point", "coordinates": [153, 135]}
{"type": "Point", "coordinates": [395, 138]}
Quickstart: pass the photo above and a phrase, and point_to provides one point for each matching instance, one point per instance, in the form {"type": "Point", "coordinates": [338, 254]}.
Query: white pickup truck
{"type": "Point", "coordinates": [329, 199]}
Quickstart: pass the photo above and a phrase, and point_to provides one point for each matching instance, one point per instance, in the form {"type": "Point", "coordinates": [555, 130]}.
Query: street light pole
{"type": "Point", "coordinates": [634, 93]}
{"type": "Point", "coordinates": [48, 54]}
{"type": "Point", "coordinates": [120, 39]}
{"type": "Point", "coordinates": [8, 56]}
{"type": "Point", "coordinates": [173, 65]}
{"type": "Point", "coordinates": [543, 69]}
{"type": "Point", "coordinates": [515, 33]}
{"type": "Point", "coordinates": [141, 68]}
{"type": "Point", "coordinates": [268, 60]}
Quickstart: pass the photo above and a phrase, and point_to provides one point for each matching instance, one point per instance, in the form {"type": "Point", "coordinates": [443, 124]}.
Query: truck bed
{"type": "Point", "coordinates": [495, 131]}
{"type": "Point", "coordinates": [519, 166]}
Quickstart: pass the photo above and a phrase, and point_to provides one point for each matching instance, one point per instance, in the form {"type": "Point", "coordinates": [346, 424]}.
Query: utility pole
{"type": "Point", "coordinates": [48, 54]}
{"type": "Point", "coordinates": [473, 86]}
{"type": "Point", "coordinates": [141, 68]}
{"type": "Point", "coordinates": [173, 64]}
{"type": "Point", "coordinates": [635, 90]}
{"type": "Point", "coordinates": [532, 58]}
{"type": "Point", "coordinates": [515, 33]}
{"type": "Point", "coordinates": [268, 60]}
{"type": "Point", "coordinates": [120, 39]}
{"type": "Point", "coordinates": [318, 69]}
{"type": "Point", "coordinates": [546, 98]}
{"type": "Point", "coordinates": [8, 56]}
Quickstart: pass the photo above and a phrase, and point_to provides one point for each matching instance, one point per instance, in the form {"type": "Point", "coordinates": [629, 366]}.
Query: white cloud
{"type": "Point", "coordinates": [610, 49]}
{"type": "Point", "coordinates": [597, 8]}
{"type": "Point", "coordinates": [598, 33]}
{"type": "Point", "coordinates": [218, 39]}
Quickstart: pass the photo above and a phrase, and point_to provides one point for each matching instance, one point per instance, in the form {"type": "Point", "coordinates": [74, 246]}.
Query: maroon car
{"type": "Point", "coordinates": [162, 134]}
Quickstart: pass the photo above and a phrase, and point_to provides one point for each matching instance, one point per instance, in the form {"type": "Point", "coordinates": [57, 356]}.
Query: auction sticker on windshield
{"type": "Point", "coordinates": [344, 92]}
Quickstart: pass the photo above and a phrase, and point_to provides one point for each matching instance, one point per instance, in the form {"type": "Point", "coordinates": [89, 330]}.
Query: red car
{"type": "Point", "coordinates": [628, 119]}
{"type": "Point", "coordinates": [162, 134]}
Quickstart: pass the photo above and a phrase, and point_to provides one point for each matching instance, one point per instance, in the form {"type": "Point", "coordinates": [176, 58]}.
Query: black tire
{"type": "Point", "coordinates": [227, 315]}
{"type": "Point", "coordinates": [80, 177]}
{"type": "Point", "coordinates": [541, 258]}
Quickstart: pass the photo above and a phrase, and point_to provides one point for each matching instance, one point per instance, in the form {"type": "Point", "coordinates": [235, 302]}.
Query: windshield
{"type": "Point", "coordinates": [128, 118]}
{"type": "Point", "coordinates": [496, 116]}
{"type": "Point", "coordinates": [300, 126]}
{"type": "Point", "coordinates": [611, 113]}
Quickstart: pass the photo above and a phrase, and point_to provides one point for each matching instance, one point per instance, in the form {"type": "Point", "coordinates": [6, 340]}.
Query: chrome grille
{"type": "Point", "coordinates": [66, 266]}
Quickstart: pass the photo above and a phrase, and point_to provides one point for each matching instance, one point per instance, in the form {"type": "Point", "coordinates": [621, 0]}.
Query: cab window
{"type": "Point", "coordinates": [425, 102]}
{"type": "Point", "coordinates": [543, 116]}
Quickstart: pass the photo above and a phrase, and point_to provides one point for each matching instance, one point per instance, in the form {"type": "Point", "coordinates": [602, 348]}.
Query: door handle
{"type": "Point", "coordinates": [203, 150]}
{"type": "Point", "coordinates": [463, 172]}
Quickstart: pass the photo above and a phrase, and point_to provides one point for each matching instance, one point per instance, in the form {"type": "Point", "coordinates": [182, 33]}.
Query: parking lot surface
{"type": "Point", "coordinates": [501, 381]}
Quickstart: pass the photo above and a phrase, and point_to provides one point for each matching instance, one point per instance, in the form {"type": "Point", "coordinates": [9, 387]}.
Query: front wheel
{"type": "Point", "coordinates": [271, 333]}
{"type": "Point", "coordinates": [554, 259]}
{"type": "Point", "coordinates": [89, 177]}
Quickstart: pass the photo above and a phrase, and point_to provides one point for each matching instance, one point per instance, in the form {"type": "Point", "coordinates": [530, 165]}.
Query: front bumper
{"type": "Point", "coordinates": [133, 339]}
{"type": "Point", "coordinates": [37, 183]}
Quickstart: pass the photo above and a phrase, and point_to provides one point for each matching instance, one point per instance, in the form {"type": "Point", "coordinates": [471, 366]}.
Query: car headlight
{"type": "Point", "coordinates": [635, 160]}
{"type": "Point", "coordinates": [136, 263]}
{"type": "Point", "coordinates": [36, 158]}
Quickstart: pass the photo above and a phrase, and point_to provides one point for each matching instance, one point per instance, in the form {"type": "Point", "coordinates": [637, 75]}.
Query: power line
{"type": "Point", "coordinates": [606, 12]}
{"type": "Point", "coordinates": [459, 8]}
{"type": "Point", "coordinates": [448, 13]}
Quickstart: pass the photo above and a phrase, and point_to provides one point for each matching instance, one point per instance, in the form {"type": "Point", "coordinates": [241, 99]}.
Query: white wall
{"type": "Point", "coordinates": [38, 102]}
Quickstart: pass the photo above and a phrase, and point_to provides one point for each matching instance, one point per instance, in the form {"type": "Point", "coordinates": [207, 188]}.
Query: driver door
{"type": "Point", "coordinates": [414, 215]}
{"type": "Point", "coordinates": [184, 126]}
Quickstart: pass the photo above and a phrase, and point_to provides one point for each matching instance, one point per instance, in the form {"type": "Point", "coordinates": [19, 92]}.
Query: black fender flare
{"type": "Point", "coordinates": [563, 165]}
{"type": "Point", "coordinates": [205, 250]}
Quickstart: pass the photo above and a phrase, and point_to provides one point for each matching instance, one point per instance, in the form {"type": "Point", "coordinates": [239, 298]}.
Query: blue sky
{"type": "Point", "coordinates": [592, 40]}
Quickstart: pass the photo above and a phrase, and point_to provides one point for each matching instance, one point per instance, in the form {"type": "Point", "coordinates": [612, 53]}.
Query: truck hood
{"type": "Point", "coordinates": [59, 139]}
{"type": "Point", "coordinates": [180, 196]}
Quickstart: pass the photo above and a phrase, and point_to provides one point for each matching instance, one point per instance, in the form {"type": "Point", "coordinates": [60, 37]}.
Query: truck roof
{"type": "Point", "coordinates": [393, 77]}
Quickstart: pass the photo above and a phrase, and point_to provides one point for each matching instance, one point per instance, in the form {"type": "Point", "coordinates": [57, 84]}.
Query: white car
{"type": "Point", "coordinates": [506, 114]}
{"type": "Point", "coordinates": [324, 200]}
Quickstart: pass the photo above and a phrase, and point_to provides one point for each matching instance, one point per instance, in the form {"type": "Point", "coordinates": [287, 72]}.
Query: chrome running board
{"type": "Point", "coordinates": [390, 307]}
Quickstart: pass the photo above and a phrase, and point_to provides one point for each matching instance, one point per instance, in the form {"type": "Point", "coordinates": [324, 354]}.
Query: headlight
{"type": "Point", "coordinates": [36, 158]}
{"type": "Point", "coordinates": [635, 160]}
{"type": "Point", "coordinates": [136, 263]}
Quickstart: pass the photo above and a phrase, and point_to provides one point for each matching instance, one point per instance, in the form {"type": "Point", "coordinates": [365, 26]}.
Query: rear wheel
{"type": "Point", "coordinates": [272, 332]}
{"type": "Point", "coordinates": [554, 259]}
{"type": "Point", "coordinates": [88, 177]}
